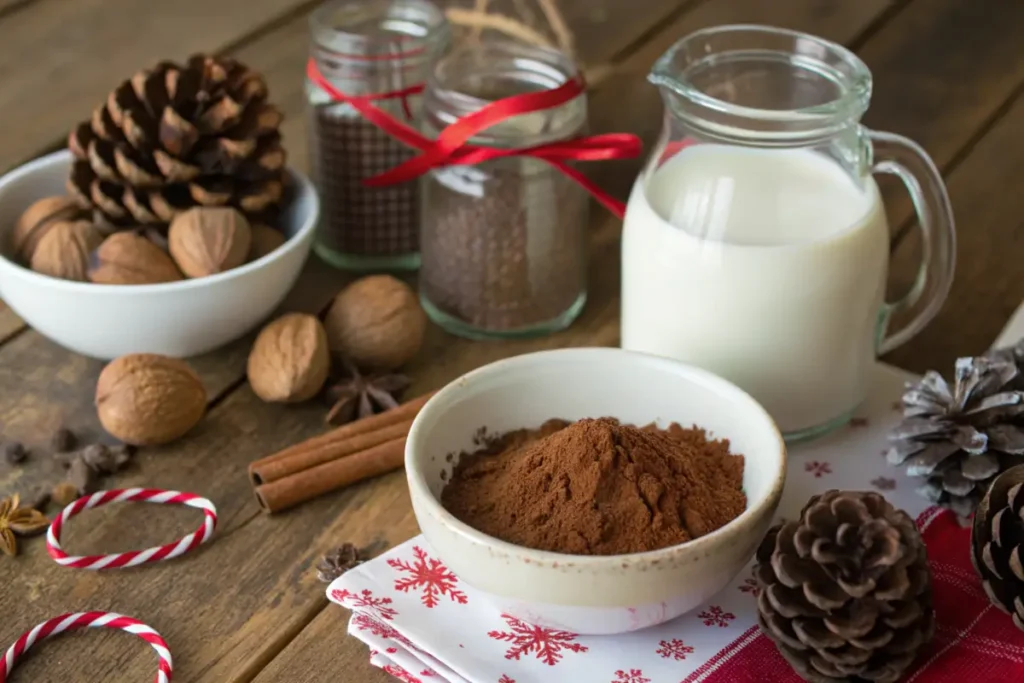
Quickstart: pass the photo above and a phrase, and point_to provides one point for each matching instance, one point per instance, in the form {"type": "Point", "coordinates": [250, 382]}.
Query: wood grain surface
{"type": "Point", "coordinates": [248, 606]}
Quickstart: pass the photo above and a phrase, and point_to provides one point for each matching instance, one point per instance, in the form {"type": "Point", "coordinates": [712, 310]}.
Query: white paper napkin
{"type": "Point", "coordinates": [423, 625]}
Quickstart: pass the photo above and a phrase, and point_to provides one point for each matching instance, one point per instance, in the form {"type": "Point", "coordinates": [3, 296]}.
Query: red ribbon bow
{"type": "Point", "coordinates": [451, 147]}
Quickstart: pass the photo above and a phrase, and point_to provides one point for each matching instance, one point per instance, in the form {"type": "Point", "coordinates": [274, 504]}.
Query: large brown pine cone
{"type": "Point", "coordinates": [175, 137]}
{"type": "Point", "coordinates": [997, 542]}
{"type": "Point", "coordinates": [846, 589]}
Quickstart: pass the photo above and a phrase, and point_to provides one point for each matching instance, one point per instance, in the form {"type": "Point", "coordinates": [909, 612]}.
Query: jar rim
{"type": "Point", "coordinates": [377, 30]}
{"type": "Point", "coordinates": [456, 87]}
{"type": "Point", "coordinates": [679, 70]}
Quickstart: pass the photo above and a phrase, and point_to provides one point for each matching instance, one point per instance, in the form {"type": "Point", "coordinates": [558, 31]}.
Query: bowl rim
{"type": "Point", "coordinates": [302, 181]}
{"type": "Point", "coordinates": [418, 488]}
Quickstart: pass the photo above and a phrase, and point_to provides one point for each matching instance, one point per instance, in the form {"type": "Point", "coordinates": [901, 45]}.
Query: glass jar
{"type": "Point", "coordinates": [372, 48]}
{"type": "Point", "coordinates": [755, 241]}
{"type": "Point", "coordinates": [504, 242]}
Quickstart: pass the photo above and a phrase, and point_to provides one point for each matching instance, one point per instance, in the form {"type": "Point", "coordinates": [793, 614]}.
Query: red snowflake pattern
{"type": "Point", "coordinates": [429, 574]}
{"type": "Point", "coordinates": [818, 468]}
{"type": "Point", "coordinates": [884, 484]}
{"type": "Point", "coordinates": [750, 586]}
{"type": "Point", "coordinates": [716, 616]}
{"type": "Point", "coordinates": [859, 422]}
{"type": "Point", "coordinates": [546, 643]}
{"type": "Point", "coordinates": [364, 622]}
{"type": "Point", "coordinates": [674, 649]}
{"type": "Point", "coordinates": [505, 679]}
{"type": "Point", "coordinates": [365, 600]}
{"type": "Point", "coordinates": [631, 676]}
{"type": "Point", "coordinates": [400, 673]}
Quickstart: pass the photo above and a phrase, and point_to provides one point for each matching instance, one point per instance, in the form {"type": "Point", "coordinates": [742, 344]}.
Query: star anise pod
{"type": "Point", "coordinates": [355, 396]}
{"type": "Point", "coordinates": [15, 520]}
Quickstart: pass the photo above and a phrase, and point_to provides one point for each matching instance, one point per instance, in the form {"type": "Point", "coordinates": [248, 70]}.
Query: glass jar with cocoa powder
{"type": "Point", "coordinates": [380, 50]}
{"type": "Point", "coordinates": [504, 241]}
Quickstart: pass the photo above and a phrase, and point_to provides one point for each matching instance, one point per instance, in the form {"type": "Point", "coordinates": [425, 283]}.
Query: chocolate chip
{"type": "Point", "coordinates": [15, 453]}
{"type": "Point", "coordinates": [63, 440]}
{"type": "Point", "coordinates": [106, 459]}
{"type": "Point", "coordinates": [82, 476]}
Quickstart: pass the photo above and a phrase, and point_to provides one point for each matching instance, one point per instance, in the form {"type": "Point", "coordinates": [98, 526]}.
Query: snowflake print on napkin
{"type": "Point", "coordinates": [546, 643]}
{"type": "Point", "coordinates": [631, 676]}
{"type": "Point", "coordinates": [750, 587]}
{"type": "Point", "coordinates": [674, 649]}
{"type": "Point", "coordinates": [366, 601]}
{"type": "Point", "coordinates": [716, 616]}
{"type": "Point", "coordinates": [818, 468]}
{"type": "Point", "coordinates": [430, 575]}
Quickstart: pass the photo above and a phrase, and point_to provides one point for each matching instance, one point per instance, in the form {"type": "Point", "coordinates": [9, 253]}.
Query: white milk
{"type": "Point", "coordinates": [767, 267]}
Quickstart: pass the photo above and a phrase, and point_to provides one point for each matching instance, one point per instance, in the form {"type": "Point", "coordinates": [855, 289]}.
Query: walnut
{"type": "Point", "coordinates": [64, 249]}
{"type": "Point", "coordinates": [127, 258]}
{"type": "Point", "coordinates": [36, 222]}
{"type": "Point", "coordinates": [265, 239]}
{"type": "Point", "coordinates": [289, 360]}
{"type": "Point", "coordinates": [144, 399]}
{"type": "Point", "coordinates": [208, 240]}
{"type": "Point", "coordinates": [376, 322]}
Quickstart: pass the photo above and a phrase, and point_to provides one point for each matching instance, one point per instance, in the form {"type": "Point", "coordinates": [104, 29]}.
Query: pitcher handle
{"type": "Point", "coordinates": [905, 159]}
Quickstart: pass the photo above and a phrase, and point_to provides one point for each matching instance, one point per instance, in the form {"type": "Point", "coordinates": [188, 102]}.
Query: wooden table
{"type": "Point", "coordinates": [248, 607]}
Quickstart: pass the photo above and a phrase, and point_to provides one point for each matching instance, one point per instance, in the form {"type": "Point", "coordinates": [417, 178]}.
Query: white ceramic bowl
{"type": "Point", "coordinates": [593, 594]}
{"type": "Point", "coordinates": [175, 319]}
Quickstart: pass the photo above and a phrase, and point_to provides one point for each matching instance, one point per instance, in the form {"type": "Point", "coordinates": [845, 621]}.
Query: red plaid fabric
{"type": "Point", "coordinates": [974, 641]}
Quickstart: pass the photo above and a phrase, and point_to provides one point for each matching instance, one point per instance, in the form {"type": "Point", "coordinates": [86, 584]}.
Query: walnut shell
{"type": "Point", "coordinates": [64, 249]}
{"type": "Point", "coordinates": [127, 258]}
{"type": "Point", "coordinates": [144, 399]}
{"type": "Point", "coordinates": [376, 322]}
{"type": "Point", "coordinates": [265, 239]}
{"type": "Point", "coordinates": [36, 221]}
{"type": "Point", "coordinates": [289, 360]}
{"type": "Point", "coordinates": [208, 240]}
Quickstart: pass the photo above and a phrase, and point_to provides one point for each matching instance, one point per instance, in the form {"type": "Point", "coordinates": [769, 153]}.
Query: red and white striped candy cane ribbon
{"type": "Point", "coordinates": [134, 557]}
{"type": "Point", "coordinates": [71, 622]}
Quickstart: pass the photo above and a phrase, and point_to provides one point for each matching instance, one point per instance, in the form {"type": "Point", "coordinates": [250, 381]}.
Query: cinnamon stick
{"type": "Point", "coordinates": [303, 486]}
{"type": "Point", "coordinates": [314, 455]}
{"type": "Point", "coordinates": [332, 442]}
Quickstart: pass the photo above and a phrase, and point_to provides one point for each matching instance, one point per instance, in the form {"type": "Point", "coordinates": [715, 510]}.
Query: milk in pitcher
{"type": "Point", "coordinates": [765, 266]}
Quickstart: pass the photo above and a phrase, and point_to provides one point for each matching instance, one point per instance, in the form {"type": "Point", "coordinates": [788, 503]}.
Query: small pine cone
{"type": "Point", "coordinates": [846, 590]}
{"type": "Point", "coordinates": [174, 137]}
{"type": "Point", "coordinates": [956, 438]}
{"type": "Point", "coordinates": [997, 543]}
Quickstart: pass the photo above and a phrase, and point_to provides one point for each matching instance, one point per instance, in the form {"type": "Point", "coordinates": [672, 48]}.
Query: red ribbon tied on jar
{"type": "Point", "coordinates": [452, 148]}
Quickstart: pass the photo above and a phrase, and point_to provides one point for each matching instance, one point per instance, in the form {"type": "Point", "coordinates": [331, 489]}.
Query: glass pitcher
{"type": "Point", "coordinates": [755, 242]}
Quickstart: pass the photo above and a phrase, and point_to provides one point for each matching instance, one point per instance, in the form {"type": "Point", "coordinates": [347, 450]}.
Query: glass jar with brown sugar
{"type": "Point", "coordinates": [504, 242]}
{"type": "Point", "coordinates": [380, 50]}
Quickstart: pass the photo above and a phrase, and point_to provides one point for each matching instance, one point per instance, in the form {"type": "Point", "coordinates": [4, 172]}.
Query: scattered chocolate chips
{"type": "Point", "coordinates": [15, 453]}
{"type": "Point", "coordinates": [339, 561]}
{"type": "Point", "coordinates": [63, 440]}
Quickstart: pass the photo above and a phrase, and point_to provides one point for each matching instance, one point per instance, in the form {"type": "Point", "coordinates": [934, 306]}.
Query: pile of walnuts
{"type": "Point", "coordinates": [56, 237]}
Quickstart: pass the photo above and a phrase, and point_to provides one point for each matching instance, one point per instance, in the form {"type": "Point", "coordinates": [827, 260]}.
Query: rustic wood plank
{"type": "Point", "coordinates": [989, 284]}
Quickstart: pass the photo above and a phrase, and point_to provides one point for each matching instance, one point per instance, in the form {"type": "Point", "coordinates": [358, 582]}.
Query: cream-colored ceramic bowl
{"type": "Point", "coordinates": [588, 594]}
{"type": "Point", "coordinates": [175, 319]}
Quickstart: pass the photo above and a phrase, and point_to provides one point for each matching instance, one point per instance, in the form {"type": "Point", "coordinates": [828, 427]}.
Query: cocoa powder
{"type": "Point", "coordinates": [598, 487]}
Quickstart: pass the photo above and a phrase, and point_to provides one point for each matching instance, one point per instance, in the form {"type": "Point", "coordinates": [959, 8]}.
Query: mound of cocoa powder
{"type": "Point", "coordinates": [598, 487]}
